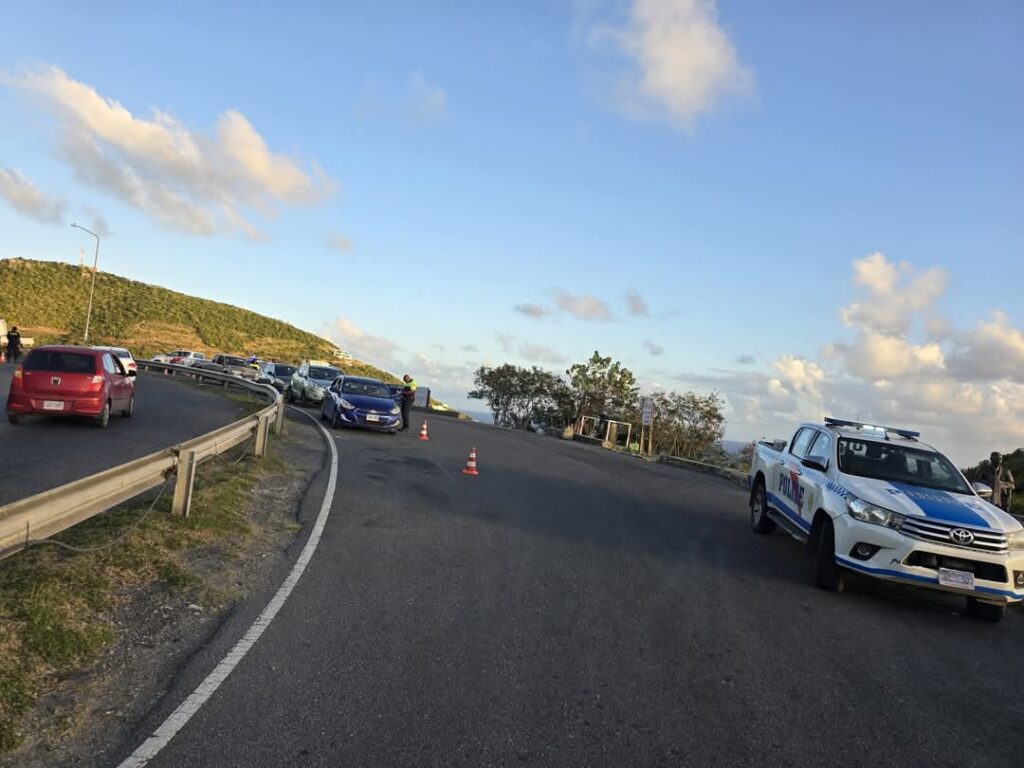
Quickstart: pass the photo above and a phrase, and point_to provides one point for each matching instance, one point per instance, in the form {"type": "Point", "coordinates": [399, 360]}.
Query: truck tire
{"type": "Point", "coordinates": [828, 575]}
{"type": "Point", "coordinates": [759, 519]}
{"type": "Point", "coordinates": [976, 609]}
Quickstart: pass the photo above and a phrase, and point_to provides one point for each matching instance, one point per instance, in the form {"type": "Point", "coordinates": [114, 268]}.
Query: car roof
{"type": "Point", "coordinates": [68, 348]}
{"type": "Point", "coordinates": [871, 436]}
{"type": "Point", "coordinates": [363, 379]}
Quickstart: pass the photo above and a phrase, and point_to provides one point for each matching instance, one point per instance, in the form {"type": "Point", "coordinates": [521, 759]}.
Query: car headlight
{"type": "Point", "coordinates": [395, 411]}
{"type": "Point", "coordinates": [870, 513]}
{"type": "Point", "coordinates": [345, 404]}
{"type": "Point", "coordinates": [1016, 540]}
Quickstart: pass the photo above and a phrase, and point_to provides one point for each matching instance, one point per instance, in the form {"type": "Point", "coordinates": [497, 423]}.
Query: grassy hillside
{"type": "Point", "coordinates": [47, 301]}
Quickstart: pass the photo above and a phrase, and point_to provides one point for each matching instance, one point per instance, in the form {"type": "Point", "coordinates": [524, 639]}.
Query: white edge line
{"type": "Point", "coordinates": [177, 719]}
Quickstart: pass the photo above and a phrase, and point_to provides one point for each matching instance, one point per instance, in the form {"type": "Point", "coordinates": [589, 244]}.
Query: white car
{"type": "Point", "coordinates": [179, 357]}
{"type": "Point", "coordinates": [124, 356]}
{"type": "Point", "coordinates": [877, 501]}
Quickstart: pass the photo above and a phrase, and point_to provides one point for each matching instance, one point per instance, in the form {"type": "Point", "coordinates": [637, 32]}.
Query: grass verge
{"type": "Point", "coordinates": [57, 606]}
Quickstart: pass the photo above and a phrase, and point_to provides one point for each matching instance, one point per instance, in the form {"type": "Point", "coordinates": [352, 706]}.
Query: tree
{"type": "Point", "coordinates": [600, 386]}
{"type": "Point", "coordinates": [517, 396]}
{"type": "Point", "coordinates": [687, 424]}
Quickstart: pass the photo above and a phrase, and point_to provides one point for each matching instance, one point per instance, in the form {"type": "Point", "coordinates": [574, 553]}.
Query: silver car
{"type": "Point", "coordinates": [309, 383]}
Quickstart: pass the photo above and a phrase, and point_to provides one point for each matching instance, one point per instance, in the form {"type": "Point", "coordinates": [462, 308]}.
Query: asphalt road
{"type": "Point", "coordinates": [44, 452]}
{"type": "Point", "coordinates": [571, 607]}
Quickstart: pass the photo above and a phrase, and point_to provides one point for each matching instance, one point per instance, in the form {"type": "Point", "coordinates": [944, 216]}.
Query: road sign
{"type": "Point", "coordinates": [647, 412]}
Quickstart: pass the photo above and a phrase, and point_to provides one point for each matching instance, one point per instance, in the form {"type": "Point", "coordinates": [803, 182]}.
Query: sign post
{"type": "Point", "coordinates": [647, 425]}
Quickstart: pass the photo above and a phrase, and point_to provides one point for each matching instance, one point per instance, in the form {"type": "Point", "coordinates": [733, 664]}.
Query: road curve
{"type": "Point", "coordinates": [571, 607]}
{"type": "Point", "coordinates": [44, 452]}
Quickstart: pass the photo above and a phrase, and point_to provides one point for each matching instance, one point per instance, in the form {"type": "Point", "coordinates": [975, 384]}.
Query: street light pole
{"type": "Point", "coordinates": [92, 288]}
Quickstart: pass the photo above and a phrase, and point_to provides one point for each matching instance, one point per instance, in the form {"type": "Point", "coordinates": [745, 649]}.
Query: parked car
{"type": "Point", "coordinates": [879, 502]}
{"type": "Point", "coordinates": [354, 401]}
{"type": "Point", "coordinates": [230, 364]}
{"type": "Point", "coordinates": [179, 357]}
{"type": "Point", "coordinates": [309, 383]}
{"type": "Point", "coordinates": [71, 381]}
{"type": "Point", "coordinates": [275, 374]}
{"type": "Point", "coordinates": [124, 356]}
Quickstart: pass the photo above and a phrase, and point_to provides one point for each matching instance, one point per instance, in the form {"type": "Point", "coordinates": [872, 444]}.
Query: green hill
{"type": "Point", "coordinates": [47, 301]}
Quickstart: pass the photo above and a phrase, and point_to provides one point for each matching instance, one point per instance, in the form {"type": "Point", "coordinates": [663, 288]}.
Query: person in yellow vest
{"type": "Point", "coordinates": [408, 396]}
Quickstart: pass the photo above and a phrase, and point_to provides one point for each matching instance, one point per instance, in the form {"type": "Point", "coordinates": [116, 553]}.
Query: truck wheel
{"type": "Point", "coordinates": [828, 575]}
{"type": "Point", "coordinates": [759, 519]}
{"type": "Point", "coordinates": [984, 611]}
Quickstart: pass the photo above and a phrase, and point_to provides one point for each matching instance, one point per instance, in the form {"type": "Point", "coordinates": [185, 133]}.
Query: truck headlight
{"type": "Point", "coordinates": [345, 404]}
{"type": "Point", "coordinates": [1016, 540]}
{"type": "Point", "coordinates": [395, 411]}
{"type": "Point", "coordinates": [870, 513]}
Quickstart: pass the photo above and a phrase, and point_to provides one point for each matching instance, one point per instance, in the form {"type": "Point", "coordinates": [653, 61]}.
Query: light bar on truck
{"type": "Point", "coordinates": [907, 434]}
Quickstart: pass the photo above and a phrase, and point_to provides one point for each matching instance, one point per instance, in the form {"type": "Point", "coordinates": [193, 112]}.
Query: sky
{"type": "Point", "coordinates": [812, 208]}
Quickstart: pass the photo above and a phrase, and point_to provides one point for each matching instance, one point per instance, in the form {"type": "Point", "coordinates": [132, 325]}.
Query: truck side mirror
{"type": "Point", "coordinates": [815, 462]}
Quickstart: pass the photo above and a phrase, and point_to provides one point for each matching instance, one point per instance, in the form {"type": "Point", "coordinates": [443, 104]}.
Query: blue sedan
{"type": "Point", "coordinates": [353, 401]}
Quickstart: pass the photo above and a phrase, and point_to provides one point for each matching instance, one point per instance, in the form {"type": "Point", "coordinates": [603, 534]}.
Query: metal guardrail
{"type": "Point", "coordinates": [50, 512]}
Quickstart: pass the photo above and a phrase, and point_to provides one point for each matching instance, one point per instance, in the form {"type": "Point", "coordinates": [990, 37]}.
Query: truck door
{"type": "Point", "coordinates": [812, 480]}
{"type": "Point", "coordinates": [789, 488]}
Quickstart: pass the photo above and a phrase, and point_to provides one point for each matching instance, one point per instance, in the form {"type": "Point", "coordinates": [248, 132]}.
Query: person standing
{"type": "Point", "coordinates": [999, 478]}
{"type": "Point", "coordinates": [13, 344]}
{"type": "Point", "coordinates": [408, 396]}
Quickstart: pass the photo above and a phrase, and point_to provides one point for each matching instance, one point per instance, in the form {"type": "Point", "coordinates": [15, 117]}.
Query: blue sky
{"type": "Point", "coordinates": [735, 164]}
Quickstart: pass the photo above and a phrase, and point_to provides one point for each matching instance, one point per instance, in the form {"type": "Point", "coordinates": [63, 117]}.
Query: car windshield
{"type": "Point", "coordinates": [365, 388]}
{"type": "Point", "coordinates": [283, 370]}
{"type": "Point", "coordinates": [901, 464]}
{"type": "Point", "coordinates": [324, 374]}
{"type": "Point", "coordinates": [59, 362]}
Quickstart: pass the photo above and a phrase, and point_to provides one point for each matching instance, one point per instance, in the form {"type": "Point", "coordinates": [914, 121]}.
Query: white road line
{"type": "Point", "coordinates": [176, 721]}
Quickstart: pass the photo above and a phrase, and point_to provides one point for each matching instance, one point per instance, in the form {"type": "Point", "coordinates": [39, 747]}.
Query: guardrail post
{"type": "Point", "coordinates": [279, 422]}
{"type": "Point", "coordinates": [259, 448]}
{"type": "Point", "coordinates": [183, 487]}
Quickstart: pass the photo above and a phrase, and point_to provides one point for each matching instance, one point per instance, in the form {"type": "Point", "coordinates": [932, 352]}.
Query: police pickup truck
{"type": "Point", "coordinates": [877, 501]}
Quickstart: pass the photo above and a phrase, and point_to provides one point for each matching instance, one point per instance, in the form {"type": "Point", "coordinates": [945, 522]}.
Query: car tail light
{"type": "Point", "coordinates": [97, 379]}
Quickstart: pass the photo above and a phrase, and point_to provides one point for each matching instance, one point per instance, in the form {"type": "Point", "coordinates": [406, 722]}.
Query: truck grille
{"type": "Point", "coordinates": [931, 530]}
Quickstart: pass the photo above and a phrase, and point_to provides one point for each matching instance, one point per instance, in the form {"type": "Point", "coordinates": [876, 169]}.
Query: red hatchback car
{"type": "Point", "coordinates": [71, 381]}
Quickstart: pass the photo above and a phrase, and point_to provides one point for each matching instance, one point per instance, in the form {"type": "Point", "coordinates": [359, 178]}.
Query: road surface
{"type": "Point", "coordinates": [43, 452]}
{"type": "Point", "coordinates": [571, 607]}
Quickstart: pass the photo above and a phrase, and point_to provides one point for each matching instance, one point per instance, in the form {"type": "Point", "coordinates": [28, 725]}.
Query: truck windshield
{"type": "Point", "coordinates": [900, 464]}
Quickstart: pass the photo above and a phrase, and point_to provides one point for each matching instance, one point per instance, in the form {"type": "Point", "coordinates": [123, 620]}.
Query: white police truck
{"type": "Point", "coordinates": [877, 501]}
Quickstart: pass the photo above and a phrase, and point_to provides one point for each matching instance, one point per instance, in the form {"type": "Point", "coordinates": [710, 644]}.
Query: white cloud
{"type": "Point", "coordinates": [377, 350]}
{"type": "Point", "coordinates": [802, 375]}
{"type": "Point", "coordinates": [992, 350]}
{"type": "Point", "coordinates": [635, 303]}
{"type": "Point", "coordinates": [98, 223]}
{"type": "Point", "coordinates": [682, 60]}
{"type": "Point", "coordinates": [745, 359]}
{"type": "Point", "coordinates": [338, 243]}
{"type": "Point", "coordinates": [184, 179]}
{"type": "Point", "coordinates": [539, 353]}
{"type": "Point", "coordinates": [23, 196]}
{"type": "Point", "coordinates": [582, 306]}
{"type": "Point", "coordinates": [536, 311]}
{"type": "Point", "coordinates": [429, 100]}
{"type": "Point", "coordinates": [896, 292]}
{"type": "Point", "coordinates": [654, 349]}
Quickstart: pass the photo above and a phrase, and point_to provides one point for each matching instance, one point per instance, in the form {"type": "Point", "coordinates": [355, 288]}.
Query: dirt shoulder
{"type": "Point", "coordinates": [91, 642]}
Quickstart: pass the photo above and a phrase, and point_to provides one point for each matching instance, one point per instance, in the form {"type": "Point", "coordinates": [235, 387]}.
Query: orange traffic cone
{"type": "Point", "coordinates": [423, 431]}
{"type": "Point", "coordinates": [471, 463]}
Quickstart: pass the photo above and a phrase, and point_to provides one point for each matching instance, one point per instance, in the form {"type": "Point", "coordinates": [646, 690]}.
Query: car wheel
{"type": "Point", "coordinates": [759, 519]}
{"type": "Point", "coordinates": [335, 421]}
{"type": "Point", "coordinates": [104, 418]}
{"type": "Point", "coordinates": [288, 396]}
{"type": "Point", "coordinates": [14, 418]}
{"type": "Point", "coordinates": [127, 412]}
{"type": "Point", "coordinates": [828, 575]}
{"type": "Point", "coordinates": [323, 411]}
{"type": "Point", "coordinates": [977, 609]}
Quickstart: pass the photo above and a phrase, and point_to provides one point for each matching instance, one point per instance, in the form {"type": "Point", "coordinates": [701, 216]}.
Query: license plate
{"type": "Point", "coordinates": [372, 417]}
{"type": "Point", "coordinates": [53, 405]}
{"type": "Point", "coordinates": [960, 579]}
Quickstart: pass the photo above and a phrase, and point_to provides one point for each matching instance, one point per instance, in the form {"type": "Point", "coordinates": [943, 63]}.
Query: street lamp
{"type": "Point", "coordinates": [92, 288]}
